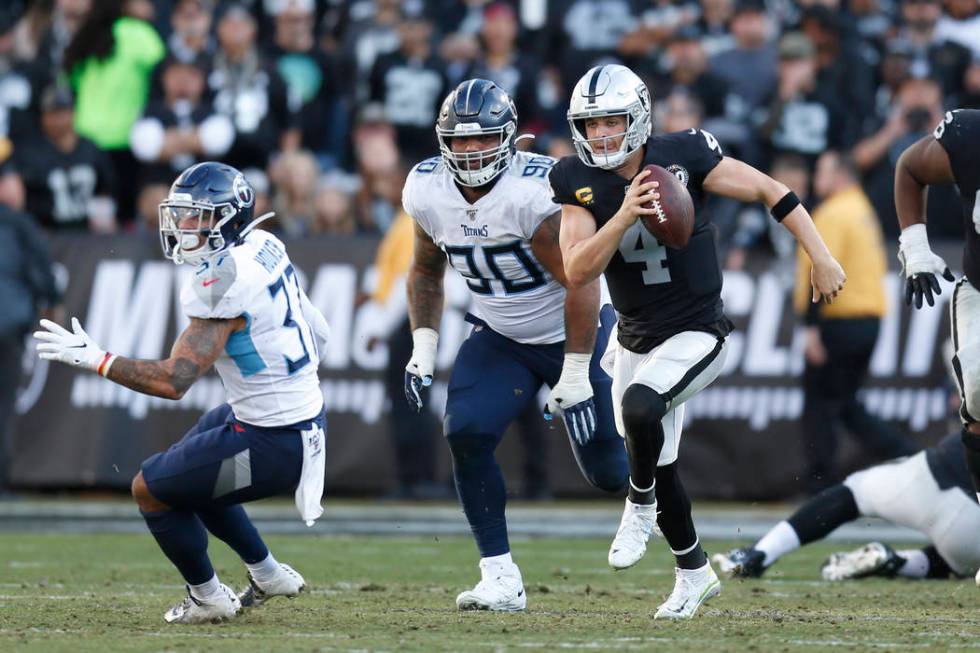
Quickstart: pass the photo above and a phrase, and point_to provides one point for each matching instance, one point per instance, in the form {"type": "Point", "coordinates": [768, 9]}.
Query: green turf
{"type": "Point", "coordinates": [109, 592]}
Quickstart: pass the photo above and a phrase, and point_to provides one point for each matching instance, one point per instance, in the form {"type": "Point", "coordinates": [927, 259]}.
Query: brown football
{"type": "Point", "coordinates": [673, 223]}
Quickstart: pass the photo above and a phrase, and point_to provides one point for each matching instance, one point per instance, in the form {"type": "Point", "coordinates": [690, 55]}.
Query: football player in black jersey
{"type": "Point", "coordinates": [949, 156]}
{"type": "Point", "coordinates": [672, 328]}
{"type": "Point", "coordinates": [930, 491]}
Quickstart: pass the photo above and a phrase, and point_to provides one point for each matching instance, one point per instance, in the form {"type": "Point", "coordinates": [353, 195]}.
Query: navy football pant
{"type": "Point", "coordinates": [219, 464]}
{"type": "Point", "coordinates": [493, 380]}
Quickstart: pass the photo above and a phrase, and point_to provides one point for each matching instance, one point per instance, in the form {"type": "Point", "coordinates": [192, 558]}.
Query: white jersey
{"type": "Point", "coordinates": [269, 369]}
{"type": "Point", "coordinates": [489, 243]}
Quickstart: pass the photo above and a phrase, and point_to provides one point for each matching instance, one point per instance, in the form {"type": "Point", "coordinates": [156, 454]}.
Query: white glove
{"type": "Point", "coordinates": [421, 367]}
{"type": "Point", "coordinates": [73, 347]}
{"type": "Point", "coordinates": [571, 397]}
{"type": "Point", "coordinates": [920, 265]}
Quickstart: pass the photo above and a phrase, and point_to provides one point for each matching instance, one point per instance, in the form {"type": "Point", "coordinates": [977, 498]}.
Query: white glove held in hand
{"type": "Point", "coordinates": [421, 367]}
{"type": "Point", "coordinates": [572, 398]}
{"type": "Point", "coordinates": [73, 347]}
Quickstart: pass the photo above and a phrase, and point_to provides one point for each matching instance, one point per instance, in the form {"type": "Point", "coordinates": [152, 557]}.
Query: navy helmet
{"type": "Point", "coordinates": [208, 209]}
{"type": "Point", "coordinates": [474, 108]}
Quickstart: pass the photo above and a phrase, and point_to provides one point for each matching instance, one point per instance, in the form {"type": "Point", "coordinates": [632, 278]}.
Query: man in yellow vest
{"type": "Point", "coordinates": [841, 336]}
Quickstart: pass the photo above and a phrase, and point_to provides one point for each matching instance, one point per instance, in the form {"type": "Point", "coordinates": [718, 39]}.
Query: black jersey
{"type": "Point", "coordinates": [959, 134]}
{"type": "Point", "coordinates": [657, 291]}
{"type": "Point", "coordinates": [59, 185]}
{"type": "Point", "coordinates": [947, 464]}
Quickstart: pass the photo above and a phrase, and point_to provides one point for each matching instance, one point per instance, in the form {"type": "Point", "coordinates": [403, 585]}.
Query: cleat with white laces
{"type": "Point", "coordinates": [630, 543]}
{"type": "Point", "coordinates": [874, 559]}
{"type": "Point", "coordinates": [741, 563]}
{"type": "Point", "coordinates": [692, 587]}
{"type": "Point", "coordinates": [222, 606]}
{"type": "Point", "coordinates": [500, 590]}
{"type": "Point", "coordinates": [287, 583]}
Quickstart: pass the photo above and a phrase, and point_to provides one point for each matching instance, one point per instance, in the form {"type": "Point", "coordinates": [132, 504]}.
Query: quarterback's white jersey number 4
{"type": "Point", "coordinates": [640, 246]}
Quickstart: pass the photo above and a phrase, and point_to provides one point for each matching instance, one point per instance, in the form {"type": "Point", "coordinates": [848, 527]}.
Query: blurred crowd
{"type": "Point", "coordinates": [326, 104]}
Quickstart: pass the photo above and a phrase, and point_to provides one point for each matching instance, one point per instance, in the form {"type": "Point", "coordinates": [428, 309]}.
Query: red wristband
{"type": "Point", "coordinates": [104, 365]}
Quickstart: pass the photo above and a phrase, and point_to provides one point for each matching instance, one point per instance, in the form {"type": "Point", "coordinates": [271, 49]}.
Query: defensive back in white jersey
{"type": "Point", "coordinates": [489, 243]}
{"type": "Point", "coordinates": [269, 368]}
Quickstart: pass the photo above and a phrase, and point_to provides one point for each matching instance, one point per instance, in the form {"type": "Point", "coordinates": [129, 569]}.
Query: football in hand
{"type": "Point", "coordinates": [673, 223]}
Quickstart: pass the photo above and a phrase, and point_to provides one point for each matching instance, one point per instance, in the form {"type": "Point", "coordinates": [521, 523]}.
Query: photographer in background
{"type": "Point", "coordinates": [916, 110]}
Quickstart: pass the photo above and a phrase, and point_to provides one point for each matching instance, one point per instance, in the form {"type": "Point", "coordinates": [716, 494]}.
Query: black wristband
{"type": "Point", "coordinates": [783, 207]}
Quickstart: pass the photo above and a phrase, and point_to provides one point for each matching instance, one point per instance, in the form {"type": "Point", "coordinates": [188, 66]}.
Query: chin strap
{"type": "Point", "coordinates": [523, 137]}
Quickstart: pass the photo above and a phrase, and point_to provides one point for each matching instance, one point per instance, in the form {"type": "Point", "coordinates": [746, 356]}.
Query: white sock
{"type": "Point", "coordinates": [779, 541]}
{"type": "Point", "coordinates": [494, 565]}
{"type": "Point", "coordinates": [206, 590]}
{"type": "Point", "coordinates": [696, 572]}
{"type": "Point", "coordinates": [916, 564]}
{"type": "Point", "coordinates": [264, 570]}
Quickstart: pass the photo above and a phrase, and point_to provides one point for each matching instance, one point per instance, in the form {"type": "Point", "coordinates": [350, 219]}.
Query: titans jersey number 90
{"type": "Point", "coordinates": [489, 244]}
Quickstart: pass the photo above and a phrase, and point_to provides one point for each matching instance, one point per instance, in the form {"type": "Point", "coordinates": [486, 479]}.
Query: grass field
{"type": "Point", "coordinates": [109, 592]}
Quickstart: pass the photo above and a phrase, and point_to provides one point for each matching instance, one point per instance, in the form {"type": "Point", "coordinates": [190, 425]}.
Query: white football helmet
{"type": "Point", "coordinates": [607, 91]}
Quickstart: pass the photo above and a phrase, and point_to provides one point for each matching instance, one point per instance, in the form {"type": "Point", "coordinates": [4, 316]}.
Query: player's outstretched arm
{"type": "Point", "coordinates": [572, 395]}
{"type": "Point", "coordinates": [425, 300]}
{"type": "Point", "coordinates": [738, 180]}
{"type": "Point", "coordinates": [924, 163]}
{"type": "Point", "coordinates": [192, 355]}
{"type": "Point", "coordinates": [586, 251]}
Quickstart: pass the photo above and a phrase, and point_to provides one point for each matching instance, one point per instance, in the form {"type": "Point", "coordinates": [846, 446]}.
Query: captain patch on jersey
{"type": "Point", "coordinates": [657, 291]}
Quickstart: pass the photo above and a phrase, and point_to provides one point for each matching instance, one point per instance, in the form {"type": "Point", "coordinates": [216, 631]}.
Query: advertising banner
{"type": "Point", "coordinates": [741, 438]}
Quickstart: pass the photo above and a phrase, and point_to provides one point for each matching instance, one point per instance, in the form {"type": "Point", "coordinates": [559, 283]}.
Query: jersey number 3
{"type": "Point", "coordinates": [288, 284]}
{"type": "Point", "coordinates": [640, 246]}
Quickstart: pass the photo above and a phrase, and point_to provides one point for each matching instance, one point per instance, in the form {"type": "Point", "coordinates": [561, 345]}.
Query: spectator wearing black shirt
{"type": "Point", "coordinates": [69, 181]}
{"type": "Point", "coordinates": [802, 117]}
{"type": "Point", "coordinates": [191, 37]}
{"type": "Point", "coordinates": [685, 64]}
{"type": "Point", "coordinates": [250, 92]}
{"type": "Point", "coordinates": [841, 70]}
{"type": "Point", "coordinates": [509, 68]}
{"type": "Point", "coordinates": [311, 78]}
{"type": "Point", "coordinates": [411, 84]}
{"type": "Point", "coordinates": [182, 128]}
{"type": "Point", "coordinates": [933, 56]}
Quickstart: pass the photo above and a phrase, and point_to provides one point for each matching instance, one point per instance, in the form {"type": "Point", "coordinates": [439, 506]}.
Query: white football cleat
{"type": "Point", "coordinates": [500, 590]}
{"type": "Point", "coordinates": [222, 606]}
{"type": "Point", "coordinates": [692, 587]}
{"type": "Point", "coordinates": [874, 559]}
{"type": "Point", "coordinates": [630, 542]}
{"type": "Point", "coordinates": [287, 583]}
{"type": "Point", "coordinates": [977, 579]}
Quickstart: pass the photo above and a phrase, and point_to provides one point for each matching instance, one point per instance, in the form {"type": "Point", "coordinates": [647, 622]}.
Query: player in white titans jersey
{"type": "Point", "coordinates": [487, 209]}
{"type": "Point", "coordinates": [252, 321]}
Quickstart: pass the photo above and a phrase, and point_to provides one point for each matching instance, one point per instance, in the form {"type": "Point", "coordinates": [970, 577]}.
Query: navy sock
{"type": "Point", "coordinates": [232, 526]}
{"type": "Point", "coordinates": [480, 485]}
{"type": "Point", "coordinates": [182, 538]}
{"type": "Point", "coordinates": [675, 519]}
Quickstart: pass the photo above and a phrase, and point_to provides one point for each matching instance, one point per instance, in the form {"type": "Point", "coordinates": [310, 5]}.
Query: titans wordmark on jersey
{"type": "Point", "coordinates": [489, 243]}
{"type": "Point", "coordinates": [657, 291]}
{"type": "Point", "coordinates": [959, 134]}
{"type": "Point", "coordinates": [269, 368]}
